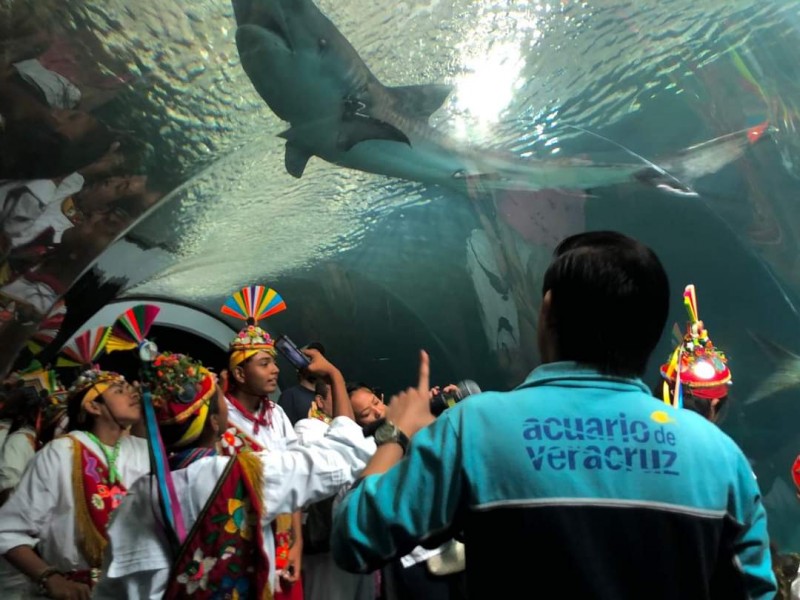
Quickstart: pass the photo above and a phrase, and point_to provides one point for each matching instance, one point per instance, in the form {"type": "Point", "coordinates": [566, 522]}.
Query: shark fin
{"type": "Point", "coordinates": [367, 128]}
{"type": "Point", "coordinates": [295, 160]}
{"type": "Point", "coordinates": [420, 100]}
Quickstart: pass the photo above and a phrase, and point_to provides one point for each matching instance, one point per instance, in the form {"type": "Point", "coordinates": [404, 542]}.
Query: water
{"type": "Point", "coordinates": [377, 267]}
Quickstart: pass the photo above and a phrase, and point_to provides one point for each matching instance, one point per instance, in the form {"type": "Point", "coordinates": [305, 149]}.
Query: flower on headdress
{"type": "Point", "coordinates": [196, 574]}
{"type": "Point", "coordinates": [177, 378]}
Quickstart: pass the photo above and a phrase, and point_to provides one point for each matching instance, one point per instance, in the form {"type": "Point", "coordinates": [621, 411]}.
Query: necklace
{"type": "Point", "coordinates": [111, 457]}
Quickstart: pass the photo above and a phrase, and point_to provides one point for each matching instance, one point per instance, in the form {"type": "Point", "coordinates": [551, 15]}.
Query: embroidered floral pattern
{"type": "Point", "coordinates": [238, 521]}
{"type": "Point", "coordinates": [195, 576]}
{"type": "Point", "coordinates": [231, 441]}
{"type": "Point", "coordinates": [234, 441]}
{"type": "Point", "coordinates": [90, 467]}
{"type": "Point", "coordinates": [101, 496]}
{"type": "Point", "coordinates": [223, 556]}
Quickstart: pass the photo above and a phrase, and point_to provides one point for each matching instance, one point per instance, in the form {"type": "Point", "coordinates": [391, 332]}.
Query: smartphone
{"type": "Point", "coordinates": [292, 353]}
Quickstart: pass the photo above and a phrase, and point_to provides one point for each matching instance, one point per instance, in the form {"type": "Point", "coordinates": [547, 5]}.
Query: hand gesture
{"type": "Point", "coordinates": [410, 411]}
{"type": "Point", "coordinates": [320, 365]}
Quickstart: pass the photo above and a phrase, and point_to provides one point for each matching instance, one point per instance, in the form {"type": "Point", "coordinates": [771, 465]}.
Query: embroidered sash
{"type": "Point", "coordinates": [95, 499]}
{"type": "Point", "coordinates": [223, 555]}
{"type": "Point", "coordinates": [236, 441]}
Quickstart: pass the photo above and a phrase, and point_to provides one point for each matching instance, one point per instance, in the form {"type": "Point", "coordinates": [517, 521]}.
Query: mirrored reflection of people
{"type": "Point", "coordinates": [578, 460]}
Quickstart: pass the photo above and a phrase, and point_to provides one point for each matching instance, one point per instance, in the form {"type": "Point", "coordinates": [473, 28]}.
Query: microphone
{"type": "Point", "coordinates": [439, 403]}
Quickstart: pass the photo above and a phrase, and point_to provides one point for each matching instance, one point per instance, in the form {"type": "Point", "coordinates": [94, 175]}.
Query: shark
{"type": "Point", "coordinates": [311, 77]}
{"type": "Point", "coordinates": [785, 376]}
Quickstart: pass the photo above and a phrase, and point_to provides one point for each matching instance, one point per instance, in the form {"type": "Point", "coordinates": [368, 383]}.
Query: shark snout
{"type": "Point", "coordinates": [266, 14]}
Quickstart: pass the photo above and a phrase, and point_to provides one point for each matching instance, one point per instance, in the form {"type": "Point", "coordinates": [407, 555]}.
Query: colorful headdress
{"type": "Point", "coordinates": [52, 394]}
{"type": "Point", "coordinates": [82, 352]}
{"type": "Point", "coordinates": [130, 333]}
{"type": "Point", "coordinates": [252, 304]}
{"type": "Point", "coordinates": [181, 390]}
{"type": "Point", "coordinates": [48, 329]}
{"type": "Point", "coordinates": [695, 363]}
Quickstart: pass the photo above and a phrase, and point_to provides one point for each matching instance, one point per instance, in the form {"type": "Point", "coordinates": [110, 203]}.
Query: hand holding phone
{"type": "Point", "coordinates": [292, 353]}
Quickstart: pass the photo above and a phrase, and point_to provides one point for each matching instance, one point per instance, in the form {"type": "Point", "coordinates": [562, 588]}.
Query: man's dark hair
{"type": "Point", "coordinates": [21, 405]}
{"type": "Point", "coordinates": [609, 301]}
{"type": "Point", "coordinates": [320, 388]}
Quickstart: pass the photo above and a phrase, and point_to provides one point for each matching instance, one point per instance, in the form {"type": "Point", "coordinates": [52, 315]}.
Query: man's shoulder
{"type": "Point", "coordinates": [294, 392]}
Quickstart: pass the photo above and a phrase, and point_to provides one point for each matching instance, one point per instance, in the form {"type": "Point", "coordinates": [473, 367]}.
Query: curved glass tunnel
{"type": "Point", "coordinates": [402, 172]}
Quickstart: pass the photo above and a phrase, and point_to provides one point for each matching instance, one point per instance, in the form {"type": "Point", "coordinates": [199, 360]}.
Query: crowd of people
{"type": "Point", "coordinates": [580, 482]}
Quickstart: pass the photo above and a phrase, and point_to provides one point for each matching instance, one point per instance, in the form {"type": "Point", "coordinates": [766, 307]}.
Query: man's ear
{"type": "Point", "coordinates": [238, 374]}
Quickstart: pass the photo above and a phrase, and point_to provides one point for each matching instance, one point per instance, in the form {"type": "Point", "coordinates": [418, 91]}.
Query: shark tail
{"type": "Point", "coordinates": [678, 173]}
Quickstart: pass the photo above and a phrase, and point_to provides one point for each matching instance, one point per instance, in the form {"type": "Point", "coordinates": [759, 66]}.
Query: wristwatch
{"type": "Point", "coordinates": [388, 432]}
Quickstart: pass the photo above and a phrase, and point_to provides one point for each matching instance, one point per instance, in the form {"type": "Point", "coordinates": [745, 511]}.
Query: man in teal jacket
{"type": "Point", "coordinates": [575, 484]}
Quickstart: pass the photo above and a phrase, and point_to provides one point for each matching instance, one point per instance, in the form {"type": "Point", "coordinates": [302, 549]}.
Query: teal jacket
{"type": "Point", "coordinates": [574, 485]}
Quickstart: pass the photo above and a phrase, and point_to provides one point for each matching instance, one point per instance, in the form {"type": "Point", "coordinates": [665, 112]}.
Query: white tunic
{"type": "Point", "coordinates": [42, 509]}
{"type": "Point", "coordinates": [323, 579]}
{"type": "Point", "coordinates": [277, 437]}
{"type": "Point", "coordinates": [138, 558]}
{"type": "Point", "coordinates": [16, 452]}
{"type": "Point", "coordinates": [5, 424]}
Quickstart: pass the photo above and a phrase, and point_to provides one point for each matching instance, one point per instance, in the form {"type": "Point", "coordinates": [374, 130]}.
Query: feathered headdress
{"type": "Point", "coordinates": [82, 352]}
{"type": "Point", "coordinates": [48, 329]}
{"type": "Point", "coordinates": [130, 333]}
{"type": "Point", "coordinates": [695, 363]}
{"type": "Point", "coordinates": [252, 304]}
{"type": "Point", "coordinates": [52, 395]}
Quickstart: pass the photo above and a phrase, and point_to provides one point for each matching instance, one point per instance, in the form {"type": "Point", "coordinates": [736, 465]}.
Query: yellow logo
{"type": "Point", "coordinates": [660, 416]}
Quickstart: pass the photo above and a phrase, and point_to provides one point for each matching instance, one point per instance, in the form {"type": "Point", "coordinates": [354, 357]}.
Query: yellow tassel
{"type": "Point", "coordinates": [254, 472]}
{"type": "Point", "coordinates": [90, 541]}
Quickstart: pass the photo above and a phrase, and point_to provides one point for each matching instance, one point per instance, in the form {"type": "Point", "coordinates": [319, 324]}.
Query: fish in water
{"type": "Point", "coordinates": [311, 77]}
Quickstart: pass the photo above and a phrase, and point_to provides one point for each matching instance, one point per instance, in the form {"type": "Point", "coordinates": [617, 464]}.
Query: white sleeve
{"type": "Point", "coordinates": [305, 474]}
{"type": "Point", "coordinates": [17, 452]}
{"type": "Point", "coordinates": [794, 593]}
{"type": "Point", "coordinates": [22, 518]}
{"type": "Point", "coordinates": [309, 431]}
{"type": "Point", "coordinates": [283, 424]}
